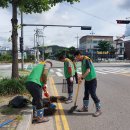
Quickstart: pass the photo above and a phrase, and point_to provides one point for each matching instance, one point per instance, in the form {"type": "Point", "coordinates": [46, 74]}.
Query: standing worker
{"type": "Point", "coordinates": [68, 73]}
{"type": "Point", "coordinates": [89, 75]}
{"type": "Point", "coordinates": [34, 83]}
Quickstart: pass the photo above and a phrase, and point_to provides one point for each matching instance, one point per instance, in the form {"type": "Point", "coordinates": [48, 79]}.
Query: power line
{"type": "Point", "coordinates": [92, 15]}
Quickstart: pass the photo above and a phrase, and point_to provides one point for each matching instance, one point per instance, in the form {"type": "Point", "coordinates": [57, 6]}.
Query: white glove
{"type": "Point", "coordinates": [71, 79]}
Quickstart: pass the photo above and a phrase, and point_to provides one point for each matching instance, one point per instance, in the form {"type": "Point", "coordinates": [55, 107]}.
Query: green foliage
{"type": "Point", "coordinates": [12, 86]}
{"type": "Point", "coordinates": [27, 6]}
{"type": "Point", "coordinates": [104, 46]}
{"type": "Point", "coordinates": [6, 57]}
{"type": "Point", "coordinates": [36, 6]}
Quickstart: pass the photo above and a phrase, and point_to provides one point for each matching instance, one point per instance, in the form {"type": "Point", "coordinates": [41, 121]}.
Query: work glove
{"type": "Point", "coordinates": [46, 94]}
{"type": "Point", "coordinates": [71, 79]}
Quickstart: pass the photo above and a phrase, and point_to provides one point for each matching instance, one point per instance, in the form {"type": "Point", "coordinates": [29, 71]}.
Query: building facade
{"type": "Point", "coordinates": [127, 49]}
{"type": "Point", "coordinates": [119, 48]}
{"type": "Point", "coordinates": [89, 43]}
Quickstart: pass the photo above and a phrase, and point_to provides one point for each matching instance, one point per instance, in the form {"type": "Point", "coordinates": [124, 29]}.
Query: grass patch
{"type": "Point", "coordinates": [7, 110]}
{"type": "Point", "coordinates": [12, 86]}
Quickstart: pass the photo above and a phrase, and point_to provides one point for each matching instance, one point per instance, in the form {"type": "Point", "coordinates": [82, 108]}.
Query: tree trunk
{"type": "Point", "coordinates": [14, 40]}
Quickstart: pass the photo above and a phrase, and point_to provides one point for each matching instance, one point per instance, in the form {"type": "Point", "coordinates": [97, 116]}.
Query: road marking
{"type": "Point", "coordinates": [57, 115]}
{"type": "Point", "coordinates": [79, 72]}
{"type": "Point", "coordinates": [100, 72]}
{"type": "Point", "coordinates": [60, 107]}
{"type": "Point", "coordinates": [125, 74]}
{"type": "Point", "coordinates": [59, 70]}
{"type": "Point", "coordinates": [51, 70]}
{"type": "Point", "coordinates": [59, 74]}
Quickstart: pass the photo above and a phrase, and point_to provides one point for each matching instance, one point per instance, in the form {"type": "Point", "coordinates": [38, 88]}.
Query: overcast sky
{"type": "Point", "coordinates": [101, 15]}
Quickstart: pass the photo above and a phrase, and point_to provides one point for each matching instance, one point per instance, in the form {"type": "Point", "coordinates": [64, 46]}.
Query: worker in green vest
{"type": "Point", "coordinates": [89, 75]}
{"type": "Point", "coordinates": [68, 73]}
{"type": "Point", "coordinates": [34, 83]}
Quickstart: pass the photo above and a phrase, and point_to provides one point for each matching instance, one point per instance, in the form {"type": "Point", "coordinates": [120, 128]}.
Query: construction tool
{"type": "Point", "coordinates": [72, 109]}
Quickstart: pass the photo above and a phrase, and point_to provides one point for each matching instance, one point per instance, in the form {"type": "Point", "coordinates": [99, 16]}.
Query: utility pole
{"type": "Point", "coordinates": [77, 41]}
{"type": "Point", "coordinates": [91, 47]}
{"type": "Point", "coordinates": [35, 48]}
{"type": "Point", "coordinates": [43, 51]}
{"type": "Point", "coordinates": [21, 43]}
{"type": "Point", "coordinates": [37, 35]}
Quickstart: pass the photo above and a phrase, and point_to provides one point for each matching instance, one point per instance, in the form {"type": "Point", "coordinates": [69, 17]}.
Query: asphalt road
{"type": "Point", "coordinates": [113, 90]}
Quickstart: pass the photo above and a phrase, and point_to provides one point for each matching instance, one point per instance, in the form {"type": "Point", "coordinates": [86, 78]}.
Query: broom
{"type": "Point", "coordinates": [72, 109]}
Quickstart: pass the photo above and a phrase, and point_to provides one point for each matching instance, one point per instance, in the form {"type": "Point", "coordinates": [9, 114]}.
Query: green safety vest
{"type": "Point", "coordinates": [35, 75]}
{"type": "Point", "coordinates": [92, 73]}
{"type": "Point", "coordinates": [68, 63]}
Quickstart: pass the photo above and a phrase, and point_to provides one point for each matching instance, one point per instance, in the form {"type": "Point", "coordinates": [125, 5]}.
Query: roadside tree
{"type": "Point", "coordinates": [26, 6]}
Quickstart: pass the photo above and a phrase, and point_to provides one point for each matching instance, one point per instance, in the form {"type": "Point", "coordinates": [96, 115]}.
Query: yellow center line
{"type": "Point", "coordinates": [125, 74]}
{"type": "Point", "coordinates": [57, 116]}
{"type": "Point", "coordinates": [62, 114]}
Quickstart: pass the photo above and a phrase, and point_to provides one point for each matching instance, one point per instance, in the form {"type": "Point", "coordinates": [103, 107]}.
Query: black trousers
{"type": "Point", "coordinates": [70, 85]}
{"type": "Point", "coordinates": [90, 89]}
{"type": "Point", "coordinates": [36, 92]}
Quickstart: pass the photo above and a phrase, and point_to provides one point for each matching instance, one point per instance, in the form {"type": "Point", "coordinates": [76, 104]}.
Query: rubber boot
{"type": "Point", "coordinates": [34, 113]}
{"type": "Point", "coordinates": [85, 106]}
{"type": "Point", "coordinates": [40, 117]}
{"type": "Point", "coordinates": [69, 99]}
{"type": "Point", "coordinates": [98, 110]}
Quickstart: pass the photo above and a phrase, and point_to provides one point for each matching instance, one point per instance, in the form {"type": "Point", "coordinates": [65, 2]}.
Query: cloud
{"type": "Point", "coordinates": [125, 4]}
{"type": "Point", "coordinates": [101, 15]}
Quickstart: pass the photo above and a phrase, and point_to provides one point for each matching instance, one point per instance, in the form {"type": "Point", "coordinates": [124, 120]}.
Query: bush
{"type": "Point", "coordinates": [12, 86]}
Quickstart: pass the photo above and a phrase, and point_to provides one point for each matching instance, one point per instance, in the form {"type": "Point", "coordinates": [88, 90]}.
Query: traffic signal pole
{"type": "Point", "coordinates": [21, 43]}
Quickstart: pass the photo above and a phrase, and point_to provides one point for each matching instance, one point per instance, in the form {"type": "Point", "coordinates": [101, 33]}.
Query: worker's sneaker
{"type": "Point", "coordinates": [83, 109]}
{"type": "Point", "coordinates": [97, 113]}
{"type": "Point", "coordinates": [43, 119]}
{"type": "Point", "coordinates": [69, 100]}
{"type": "Point", "coordinates": [40, 117]}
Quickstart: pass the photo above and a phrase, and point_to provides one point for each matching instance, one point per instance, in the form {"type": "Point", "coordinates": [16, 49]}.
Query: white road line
{"type": "Point", "coordinates": [122, 70]}
{"type": "Point", "coordinates": [59, 74]}
{"type": "Point", "coordinates": [79, 72]}
{"type": "Point", "coordinates": [59, 70]}
{"type": "Point", "coordinates": [51, 70]}
{"type": "Point", "coordinates": [100, 72]}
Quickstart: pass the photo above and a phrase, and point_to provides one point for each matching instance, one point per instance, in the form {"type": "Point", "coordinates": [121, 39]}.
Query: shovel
{"type": "Point", "coordinates": [72, 109]}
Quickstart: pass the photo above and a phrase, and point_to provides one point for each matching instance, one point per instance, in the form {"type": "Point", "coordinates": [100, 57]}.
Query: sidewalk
{"type": "Point", "coordinates": [20, 119]}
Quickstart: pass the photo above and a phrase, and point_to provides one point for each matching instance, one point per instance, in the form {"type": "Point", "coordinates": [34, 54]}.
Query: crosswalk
{"type": "Point", "coordinates": [100, 70]}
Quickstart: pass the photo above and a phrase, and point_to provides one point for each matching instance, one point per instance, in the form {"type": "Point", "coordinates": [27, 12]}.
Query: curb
{"type": "Point", "coordinates": [26, 120]}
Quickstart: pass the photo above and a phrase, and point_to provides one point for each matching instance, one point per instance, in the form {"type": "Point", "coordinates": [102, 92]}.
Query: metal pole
{"type": "Point", "coordinates": [22, 53]}
{"type": "Point", "coordinates": [43, 58]}
{"type": "Point", "coordinates": [77, 41]}
{"type": "Point", "coordinates": [34, 49]}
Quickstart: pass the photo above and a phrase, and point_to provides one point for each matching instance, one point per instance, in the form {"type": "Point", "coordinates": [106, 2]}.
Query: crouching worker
{"type": "Point", "coordinates": [34, 83]}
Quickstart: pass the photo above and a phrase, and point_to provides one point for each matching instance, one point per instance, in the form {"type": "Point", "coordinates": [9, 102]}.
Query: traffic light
{"type": "Point", "coordinates": [123, 21]}
{"type": "Point", "coordinates": [21, 47]}
{"type": "Point", "coordinates": [85, 28]}
{"type": "Point", "coordinates": [21, 44]}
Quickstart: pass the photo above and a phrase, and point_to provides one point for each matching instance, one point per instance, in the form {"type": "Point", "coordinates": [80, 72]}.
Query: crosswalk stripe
{"type": "Point", "coordinates": [51, 70]}
{"type": "Point", "coordinates": [59, 70]}
{"type": "Point", "coordinates": [59, 74]}
{"type": "Point", "coordinates": [100, 72]}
